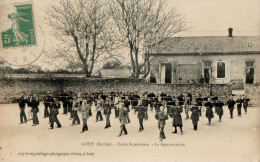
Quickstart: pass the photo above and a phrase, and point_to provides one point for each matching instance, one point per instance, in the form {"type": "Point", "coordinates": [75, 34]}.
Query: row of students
{"type": "Point", "coordinates": [121, 104]}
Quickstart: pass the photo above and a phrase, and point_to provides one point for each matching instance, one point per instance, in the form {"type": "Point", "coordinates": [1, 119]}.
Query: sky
{"type": "Point", "coordinates": [202, 17]}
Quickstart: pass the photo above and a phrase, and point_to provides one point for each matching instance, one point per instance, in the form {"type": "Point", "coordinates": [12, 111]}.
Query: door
{"type": "Point", "coordinates": [168, 73]}
{"type": "Point", "coordinates": [207, 75]}
{"type": "Point", "coordinates": [162, 73]}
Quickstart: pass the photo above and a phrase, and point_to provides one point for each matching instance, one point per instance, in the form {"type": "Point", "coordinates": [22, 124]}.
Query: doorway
{"type": "Point", "coordinates": [206, 75]}
{"type": "Point", "coordinates": [166, 73]}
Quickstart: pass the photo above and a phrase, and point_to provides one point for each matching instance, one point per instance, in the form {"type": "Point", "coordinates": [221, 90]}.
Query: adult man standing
{"type": "Point", "coordinates": [22, 103]}
{"type": "Point", "coordinates": [231, 104]}
{"type": "Point", "coordinates": [239, 102]}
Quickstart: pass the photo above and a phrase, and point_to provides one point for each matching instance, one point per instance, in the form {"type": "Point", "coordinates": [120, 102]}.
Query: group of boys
{"type": "Point", "coordinates": [164, 105]}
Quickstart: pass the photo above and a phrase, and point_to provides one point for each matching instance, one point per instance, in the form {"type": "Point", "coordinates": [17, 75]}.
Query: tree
{"type": "Point", "coordinates": [144, 26]}
{"type": "Point", "coordinates": [82, 27]}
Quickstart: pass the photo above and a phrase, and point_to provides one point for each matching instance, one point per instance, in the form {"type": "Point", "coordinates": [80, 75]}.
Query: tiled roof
{"type": "Point", "coordinates": [211, 44]}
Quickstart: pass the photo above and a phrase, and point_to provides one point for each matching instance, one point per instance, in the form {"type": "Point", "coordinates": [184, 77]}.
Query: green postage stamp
{"type": "Point", "coordinates": [21, 31]}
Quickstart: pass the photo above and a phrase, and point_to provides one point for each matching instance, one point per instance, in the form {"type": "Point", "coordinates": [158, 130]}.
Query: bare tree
{"type": "Point", "coordinates": [144, 26]}
{"type": "Point", "coordinates": [82, 27]}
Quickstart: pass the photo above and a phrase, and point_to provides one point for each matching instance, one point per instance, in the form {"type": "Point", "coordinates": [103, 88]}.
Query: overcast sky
{"type": "Point", "coordinates": [203, 18]}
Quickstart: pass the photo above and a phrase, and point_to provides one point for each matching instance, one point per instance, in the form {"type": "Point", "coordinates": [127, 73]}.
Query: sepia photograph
{"type": "Point", "coordinates": [130, 80]}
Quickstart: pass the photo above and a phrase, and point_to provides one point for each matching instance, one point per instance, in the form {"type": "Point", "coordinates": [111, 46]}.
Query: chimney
{"type": "Point", "coordinates": [230, 32]}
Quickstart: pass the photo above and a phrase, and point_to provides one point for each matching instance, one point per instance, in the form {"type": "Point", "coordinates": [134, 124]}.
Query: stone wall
{"type": "Point", "coordinates": [12, 88]}
{"type": "Point", "coordinates": [253, 92]}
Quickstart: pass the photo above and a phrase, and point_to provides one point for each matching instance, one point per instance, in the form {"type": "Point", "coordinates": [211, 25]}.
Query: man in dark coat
{"type": "Point", "coordinates": [55, 112]}
{"type": "Point", "coordinates": [34, 103]}
{"type": "Point", "coordinates": [209, 111]}
{"type": "Point", "coordinates": [47, 104]}
{"type": "Point", "coordinates": [22, 102]}
{"type": "Point", "coordinates": [245, 103]}
{"type": "Point", "coordinates": [195, 117]}
{"type": "Point", "coordinates": [239, 102]}
{"type": "Point", "coordinates": [231, 104]}
{"type": "Point", "coordinates": [219, 108]}
{"type": "Point", "coordinates": [161, 116]}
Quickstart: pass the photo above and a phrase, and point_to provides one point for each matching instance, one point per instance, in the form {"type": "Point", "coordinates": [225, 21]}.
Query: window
{"type": "Point", "coordinates": [221, 70]}
{"type": "Point", "coordinates": [250, 72]}
{"type": "Point", "coordinates": [207, 71]}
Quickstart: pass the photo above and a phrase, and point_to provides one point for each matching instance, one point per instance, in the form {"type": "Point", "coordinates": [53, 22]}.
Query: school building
{"type": "Point", "coordinates": [214, 59]}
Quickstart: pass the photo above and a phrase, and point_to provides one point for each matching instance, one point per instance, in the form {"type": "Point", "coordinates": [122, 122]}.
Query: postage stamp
{"type": "Point", "coordinates": [21, 31]}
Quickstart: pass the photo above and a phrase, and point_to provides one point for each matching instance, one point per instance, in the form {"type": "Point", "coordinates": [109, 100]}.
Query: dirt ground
{"type": "Point", "coordinates": [235, 139]}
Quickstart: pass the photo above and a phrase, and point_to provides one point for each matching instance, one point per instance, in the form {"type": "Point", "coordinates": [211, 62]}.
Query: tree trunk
{"type": "Point", "coordinates": [87, 73]}
{"type": "Point", "coordinates": [132, 62]}
{"type": "Point", "coordinates": [147, 69]}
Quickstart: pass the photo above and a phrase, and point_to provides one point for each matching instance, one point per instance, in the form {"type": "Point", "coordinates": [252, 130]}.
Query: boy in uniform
{"type": "Point", "coordinates": [55, 112]}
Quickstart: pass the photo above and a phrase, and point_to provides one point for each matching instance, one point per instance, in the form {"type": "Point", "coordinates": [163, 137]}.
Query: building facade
{"type": "Point", "coordinates": [211, 59]}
